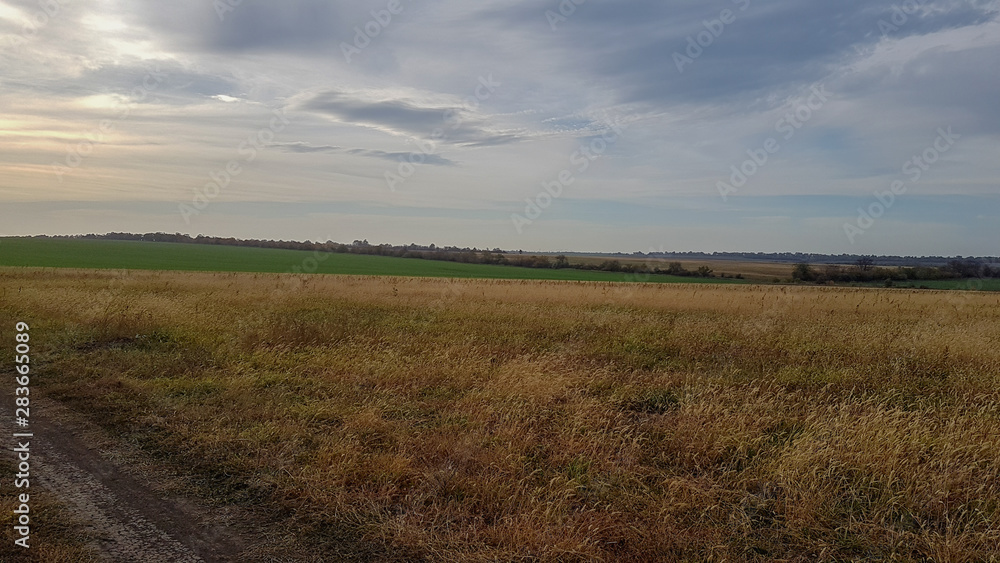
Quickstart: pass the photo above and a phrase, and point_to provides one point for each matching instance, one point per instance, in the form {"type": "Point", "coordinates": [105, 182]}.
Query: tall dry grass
{"type": "Point", "coordinates": [508, 420]}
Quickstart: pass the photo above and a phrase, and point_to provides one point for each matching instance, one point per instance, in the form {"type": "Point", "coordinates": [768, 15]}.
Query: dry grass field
{"type": "Point", "coordinates": [429, 419]}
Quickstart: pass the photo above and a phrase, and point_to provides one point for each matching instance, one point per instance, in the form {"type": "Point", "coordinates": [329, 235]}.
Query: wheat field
{"type": "Point", "coordinates": [465, 420]}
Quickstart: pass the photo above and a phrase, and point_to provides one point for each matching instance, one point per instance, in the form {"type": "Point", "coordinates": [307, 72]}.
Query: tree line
{"type": "Point", "coordinates": [865, 270]}
{"type": "Point", "coordinates": [466, 255]}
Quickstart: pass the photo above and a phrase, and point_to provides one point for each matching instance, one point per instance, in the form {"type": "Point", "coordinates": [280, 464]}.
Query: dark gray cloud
{"type": "Point", "coordinates": [447, 123]}
{"type": "Point", "coordinates": [939, 83]}
{"type": "Point", "coordinates": [303, 147]}
{"type": "Point", "coordinates": [771, 50]}
{"type": "Point", "coordinates": [395, 115]}
{"type": "Point", "coordinates": [773, 46]}
{"type": "Point", "coordinates": [311, 27]}
{"type": "Point", "coordinates": [303, 24]}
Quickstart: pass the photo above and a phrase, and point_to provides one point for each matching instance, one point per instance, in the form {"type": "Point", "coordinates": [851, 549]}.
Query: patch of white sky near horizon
{"type": "Point", "coordinates": [552, 93]}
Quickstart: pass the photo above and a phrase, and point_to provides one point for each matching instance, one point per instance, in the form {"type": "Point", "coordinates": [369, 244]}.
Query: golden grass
{"type": "Point", "coordinates": [507, 420]}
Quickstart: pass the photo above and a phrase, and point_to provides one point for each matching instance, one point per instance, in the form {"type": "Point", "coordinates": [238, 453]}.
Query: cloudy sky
{"type": "Point", "coordinates": [860, 126]}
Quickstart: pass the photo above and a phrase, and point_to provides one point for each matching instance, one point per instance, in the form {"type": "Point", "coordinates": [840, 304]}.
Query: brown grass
{"type": "Point", "coordinates": [508, 420]}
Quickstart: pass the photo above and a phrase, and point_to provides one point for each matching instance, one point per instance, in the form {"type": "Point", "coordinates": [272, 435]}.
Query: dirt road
{"type": "Point", "coordinates": [130, 519]}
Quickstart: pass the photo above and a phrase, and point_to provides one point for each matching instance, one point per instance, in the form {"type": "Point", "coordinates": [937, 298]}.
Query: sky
{"type": "Point", "coordinates": [856, 126]}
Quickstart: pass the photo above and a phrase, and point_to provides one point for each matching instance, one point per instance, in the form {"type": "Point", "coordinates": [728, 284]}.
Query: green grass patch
{"type": "Point", "coordinates": [971, 284]}
{"type": "Point", "coordinates": [137, 255]}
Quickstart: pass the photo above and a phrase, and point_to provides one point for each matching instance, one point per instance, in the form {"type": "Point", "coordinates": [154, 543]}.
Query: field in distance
{"type": "Point", "coordinates": [501, 420]}
{"type": "Point", "coordinates": [110, 254]}
{"type": "Point", "coordinates": [751, 270]}
{"type": "Point", "coordinates": [117, 254]}
{"type": "Point", "coordinates": [781, 272]}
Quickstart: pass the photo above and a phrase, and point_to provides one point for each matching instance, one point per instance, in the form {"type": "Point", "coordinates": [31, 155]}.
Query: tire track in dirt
{"type": "Point", "coordinates": [130, 520]}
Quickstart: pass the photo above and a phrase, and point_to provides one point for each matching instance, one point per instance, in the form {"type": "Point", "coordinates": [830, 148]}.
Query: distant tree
{"type": "Point", "coordinates": [865, 263]}
{"type": "Point", "coordinates": [704, 272]}
{"type": "Point", "coordinates": [833, 272]}
{"type": "Point", "coordinates": [965, 268]}
{"type": "Point", "coordinates": [803, 272]}
{"type": "Point", "coordinates": [676, 269]}
{"type": "Point", "coordinates": [561, 262]}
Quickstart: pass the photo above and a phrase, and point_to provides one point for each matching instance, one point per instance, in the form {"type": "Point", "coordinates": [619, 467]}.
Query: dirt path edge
{"type": "Point", "coordinates": [130, 519]}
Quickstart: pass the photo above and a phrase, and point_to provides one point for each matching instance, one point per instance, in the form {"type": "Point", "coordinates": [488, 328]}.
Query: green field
{"type": "Point", "coordinates": [972, 284]}
{"type": "Point", "coordinates": [132, 255]}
